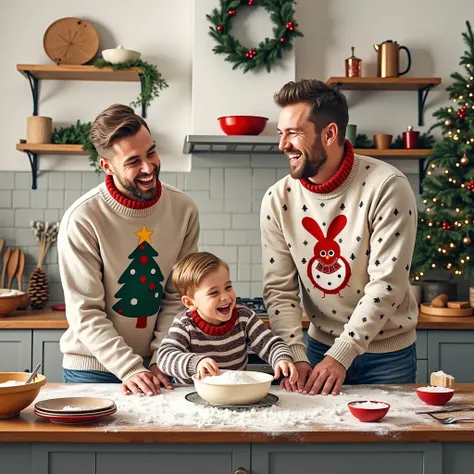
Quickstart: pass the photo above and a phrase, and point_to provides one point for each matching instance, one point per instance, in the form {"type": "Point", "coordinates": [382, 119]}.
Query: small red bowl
{"type": "Point", "coordinates": [434, 398]}
{"type": "Point", "coordinates": [242, 124]}
{"type": "Point", "coordinates": [368, 414]}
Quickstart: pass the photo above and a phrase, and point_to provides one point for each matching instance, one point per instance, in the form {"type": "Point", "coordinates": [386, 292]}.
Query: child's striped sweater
{"type": "Point", "coordinates": [191, 339]}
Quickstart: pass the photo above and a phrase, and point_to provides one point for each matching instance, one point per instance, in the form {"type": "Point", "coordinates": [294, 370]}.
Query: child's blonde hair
{"type": "Point", "coordinates": [188, 272]}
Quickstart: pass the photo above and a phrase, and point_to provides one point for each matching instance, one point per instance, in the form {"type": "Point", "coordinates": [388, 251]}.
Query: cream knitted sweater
{"type": "Point", "coordinates": [342, 251]}
{"type": "Point", "coordinates": [114, 260]}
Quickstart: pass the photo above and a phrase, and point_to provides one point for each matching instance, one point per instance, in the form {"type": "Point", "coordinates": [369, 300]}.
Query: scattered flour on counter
{"type": "Point", "coordinates": [430, 388]}
{"type": "Point", "coordinates": [231, 377]}
{"type": "Point", "coordinates": [11, 383]}
{"type": "Point", "coordinates": [294, 412]}
{"type": "Point", "coordinates": [370, 405]}
{"type": "Point", "coordinates": [76, 408]}
{"type": "Point", "coordinates": [10, 293]}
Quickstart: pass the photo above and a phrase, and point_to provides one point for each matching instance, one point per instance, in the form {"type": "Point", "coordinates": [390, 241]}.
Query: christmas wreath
{"type": "Point", "coordinates": [269, 51]}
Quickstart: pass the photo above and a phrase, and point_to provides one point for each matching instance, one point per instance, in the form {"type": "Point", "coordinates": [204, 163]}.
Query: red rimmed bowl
{"type": "Point", "coordinates": [435, 398]}
{"type": "Point", "coordinates": [242, 124]}
{"type": "Point", "coordinates": [368, 414]}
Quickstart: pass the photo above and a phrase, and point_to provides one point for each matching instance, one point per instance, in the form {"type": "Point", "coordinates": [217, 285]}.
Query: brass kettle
{"type": "Point", "coordinates": [388, 54]}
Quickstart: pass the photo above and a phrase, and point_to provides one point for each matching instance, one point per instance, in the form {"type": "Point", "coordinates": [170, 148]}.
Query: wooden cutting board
{"type": "Point", "coordinates": [71, 41]}
{"type": "Point", "coordinates": [426, 308]}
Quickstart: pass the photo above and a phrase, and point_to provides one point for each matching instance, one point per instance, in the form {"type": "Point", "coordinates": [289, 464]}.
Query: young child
{"type": "Point", "coordinates": [213, 333]}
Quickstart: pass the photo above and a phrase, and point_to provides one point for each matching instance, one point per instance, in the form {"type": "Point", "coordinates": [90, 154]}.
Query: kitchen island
{"type": "Point", "coordinates": [312, 434]}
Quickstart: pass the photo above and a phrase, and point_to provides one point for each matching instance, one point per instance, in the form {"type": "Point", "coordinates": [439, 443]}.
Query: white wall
{"type": "Point", "coordinates": [163, 31]}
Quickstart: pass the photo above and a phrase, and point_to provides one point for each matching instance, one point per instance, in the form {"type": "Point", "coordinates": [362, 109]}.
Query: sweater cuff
{"type": "Point", "coordinates": [343, 352]}
{"type": "Point", "coordinates": [287, 357]}
{"type": "Point", "coordinates": [134, 370]}
{"type": "Point", "coordinates": [193, 363]}
{"type": "Point", "coordinates": [299, 353]}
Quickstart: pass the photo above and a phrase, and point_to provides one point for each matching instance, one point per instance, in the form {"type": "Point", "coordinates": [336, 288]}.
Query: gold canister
{"type": "Point", "coordinates": [353, 65]}
{"type": "Point", "coordinates": [382, 141]}
{"type": "Point", "coordinates": [39, 129]}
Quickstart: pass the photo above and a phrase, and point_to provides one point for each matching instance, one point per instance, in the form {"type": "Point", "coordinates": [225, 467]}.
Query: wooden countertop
{"type": "Point", "coordinates": [49, 319]}
{"type": "Point", "coordinates": [28, 428]}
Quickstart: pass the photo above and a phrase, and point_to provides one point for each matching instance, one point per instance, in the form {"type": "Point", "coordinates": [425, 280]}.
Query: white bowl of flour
{"type": "Point", "coordinates": [234, 387]}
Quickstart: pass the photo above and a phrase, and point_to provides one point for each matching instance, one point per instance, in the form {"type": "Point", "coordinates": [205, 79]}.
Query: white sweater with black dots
{"type": "Point", "coordinates": [344, 256]}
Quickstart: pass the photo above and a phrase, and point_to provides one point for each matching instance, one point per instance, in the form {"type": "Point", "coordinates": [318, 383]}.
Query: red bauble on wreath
{"type": "Point", "coordinates": [268, 51]}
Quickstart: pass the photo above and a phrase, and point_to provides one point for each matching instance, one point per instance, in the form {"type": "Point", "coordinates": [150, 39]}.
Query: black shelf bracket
{"type": "Point", "coordinates": [34, 85]}
{"type": "Point", "coordinates": [423, 165]}
{"type": "Point", "coordinates": [422, 95]}
{"type": "Point", "coordinates": [33, 158]}
{"type": "Point", "coordinates": [142, 85]}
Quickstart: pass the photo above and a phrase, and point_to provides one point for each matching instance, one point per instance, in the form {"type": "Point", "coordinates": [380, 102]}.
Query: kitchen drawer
{"type": "Point", "coordinates": [422, 344]}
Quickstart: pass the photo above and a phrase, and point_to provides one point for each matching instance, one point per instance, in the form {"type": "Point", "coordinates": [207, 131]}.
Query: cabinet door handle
{"type": "Point", "coordinates": [241, 470]}
{"type": "Point", "coordinates": [27, 370]}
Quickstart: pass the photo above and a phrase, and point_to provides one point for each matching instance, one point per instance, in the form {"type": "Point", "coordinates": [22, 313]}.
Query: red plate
{"type": "Point", "coordinates": [75, 419]}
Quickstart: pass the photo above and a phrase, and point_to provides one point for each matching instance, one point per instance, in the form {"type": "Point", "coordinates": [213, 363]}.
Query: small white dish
{"type": "Point", "coordinates": [120, 55]}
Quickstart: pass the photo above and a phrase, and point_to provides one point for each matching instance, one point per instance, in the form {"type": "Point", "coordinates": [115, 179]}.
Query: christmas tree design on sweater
{"type": "Point", "coordinates": [328, 270]}
{"type": "Point", "coordinates": [142, 292]}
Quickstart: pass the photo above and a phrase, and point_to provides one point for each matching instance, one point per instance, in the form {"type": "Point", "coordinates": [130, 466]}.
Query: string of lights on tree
{"type": "Point", "coordinates": [446, 225]}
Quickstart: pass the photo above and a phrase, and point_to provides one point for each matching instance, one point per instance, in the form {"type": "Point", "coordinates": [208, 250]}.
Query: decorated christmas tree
{"type": "Point", "coordinates": [142, 292]}
{"type": "Point", "coordinates": [446, 225]}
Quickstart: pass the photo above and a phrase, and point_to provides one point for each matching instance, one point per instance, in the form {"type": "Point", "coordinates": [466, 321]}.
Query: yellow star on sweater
{"type": "Point", "coordinates": [144, 235]}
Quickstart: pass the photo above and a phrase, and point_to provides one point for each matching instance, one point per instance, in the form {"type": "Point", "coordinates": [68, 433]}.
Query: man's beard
{"type": "Point", "coordinates": [134, 191]}
{"type": "Point", "coordinates": [310, 166]}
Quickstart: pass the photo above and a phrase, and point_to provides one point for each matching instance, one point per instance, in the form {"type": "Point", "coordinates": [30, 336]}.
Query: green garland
{"type": "Point", "coordinates": [78, 135]}
{"type": "Point", "coordinates": [153, 83]}
{"type": "Point", "coordinates": [269, 51]}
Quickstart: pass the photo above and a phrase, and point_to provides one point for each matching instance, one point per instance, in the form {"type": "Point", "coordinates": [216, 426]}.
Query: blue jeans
{"type": "Point", "coordinates": [388, 368]}
{"type": "Point", "coordinates": [89, 376]}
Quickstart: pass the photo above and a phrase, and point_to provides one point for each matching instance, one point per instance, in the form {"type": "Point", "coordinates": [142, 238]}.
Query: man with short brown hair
{"type": "Point", "coordinates": [338, 234]}
{"type": "Point", "coordinates": [116, 246]}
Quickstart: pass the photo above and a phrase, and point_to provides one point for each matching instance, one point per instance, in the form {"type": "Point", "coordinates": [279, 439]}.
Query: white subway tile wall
{"type": "Point", "coordinates": [226, 188]}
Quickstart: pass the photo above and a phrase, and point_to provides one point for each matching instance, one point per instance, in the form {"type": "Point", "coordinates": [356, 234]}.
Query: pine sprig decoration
{"type": "Point", "coordinates": [445, 233]}
{"type": "Point", "coordinates": [153, 80]}
{"type": "Point", "coordinates": [78, 134]}
{"type": "Point", "coordinates": [269, 50]}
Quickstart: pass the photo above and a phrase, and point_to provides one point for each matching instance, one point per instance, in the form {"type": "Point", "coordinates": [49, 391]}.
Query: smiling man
{"type": "Point", "coordinates": [116, 247]}
{"type": "Point", "coordinates": [337, 239]}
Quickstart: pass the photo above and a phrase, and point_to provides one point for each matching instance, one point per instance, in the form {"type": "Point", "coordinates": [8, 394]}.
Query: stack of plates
{"type": "Point", "coordinates": [72, 410]}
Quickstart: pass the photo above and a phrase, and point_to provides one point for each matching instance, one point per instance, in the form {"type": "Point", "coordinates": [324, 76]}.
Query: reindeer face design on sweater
{"type": "Point", "coordinates": [328, 270]}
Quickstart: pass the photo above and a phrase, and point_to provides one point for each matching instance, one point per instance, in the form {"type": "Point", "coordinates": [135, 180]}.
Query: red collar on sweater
{"type": "Point", "coordinates": [341, 175]}
{"type": "Point", "coordinates": [207, 328]}
{"type": "Point", "coordinates": [125, 201]}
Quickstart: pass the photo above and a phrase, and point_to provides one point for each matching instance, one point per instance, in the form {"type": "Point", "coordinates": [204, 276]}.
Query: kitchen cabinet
{"type": "Point", "coordinates": [46, 350]}
{"type": "Point", "coordinates": [255, 458]}
{"type": "Point", "coordinates": [453, 353]}
{"type": "Point", "coordinates": [22, 349]}
{"type": "Point", "coordinates": [15, 350]}
{"type": "Point", "coordinates": [178, 459]}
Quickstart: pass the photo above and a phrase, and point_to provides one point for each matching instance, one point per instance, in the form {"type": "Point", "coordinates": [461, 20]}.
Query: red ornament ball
{"type": "Point", "coordinates": [446, 226]}
{"type": "Point", "coordinates": [232, 12]}
{"type": "Point", "coordinates": [143, 279]}
{"type": "Point", "coordinates": [143, 259]}
{"type": "Point", "coordinates": [250, 2]}
{"type": "Point", "coordinates": [220, 28]}
{"type": "Point", "coordinates": [142, 247]}
{"type": "Point", "coordinates": [282, 40]}
{"type": "Point", "coordinates": [251, 53]}
{"type": "Point", "coordinates": [470, 186]}
{"type": "Point", "coordinates": [151, 286]}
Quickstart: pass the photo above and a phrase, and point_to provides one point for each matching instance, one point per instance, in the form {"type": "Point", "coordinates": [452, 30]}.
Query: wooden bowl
{"type": "Point", "coordinates": [13, 399]}
{"type": "Point", "coordinates": [235, 394]}
{"type": "Point", "coordinates": [368, 414]}
{"type": "Point", "coordinates": [426, 308]}
{"type": "Point", "coordinates": [8, 304]}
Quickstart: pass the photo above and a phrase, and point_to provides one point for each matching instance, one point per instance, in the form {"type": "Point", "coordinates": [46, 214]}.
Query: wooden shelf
{"type": "Point", "coordinates": [383, 84]}
{"type": "Point", "coordinates": [51, 149]}
{"type": "Point", "coordinates": [392, 154]}
{"type": "Point", "coordinates": [78, 73]}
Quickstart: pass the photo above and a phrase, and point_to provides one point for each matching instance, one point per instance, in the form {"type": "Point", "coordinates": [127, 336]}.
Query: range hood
{"type": "Point", "coordinates": [209, 144]}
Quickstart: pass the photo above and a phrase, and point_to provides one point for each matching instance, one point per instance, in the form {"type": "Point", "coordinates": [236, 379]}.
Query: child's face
{"type": "Point", "coordinates": [214, 298]}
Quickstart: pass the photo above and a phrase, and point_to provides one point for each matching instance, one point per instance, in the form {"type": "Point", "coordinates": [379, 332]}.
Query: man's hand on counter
{"type": "Point", "coordinates": [147, 383]}
{"type": "Point", "coordinates": [326, 377]}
